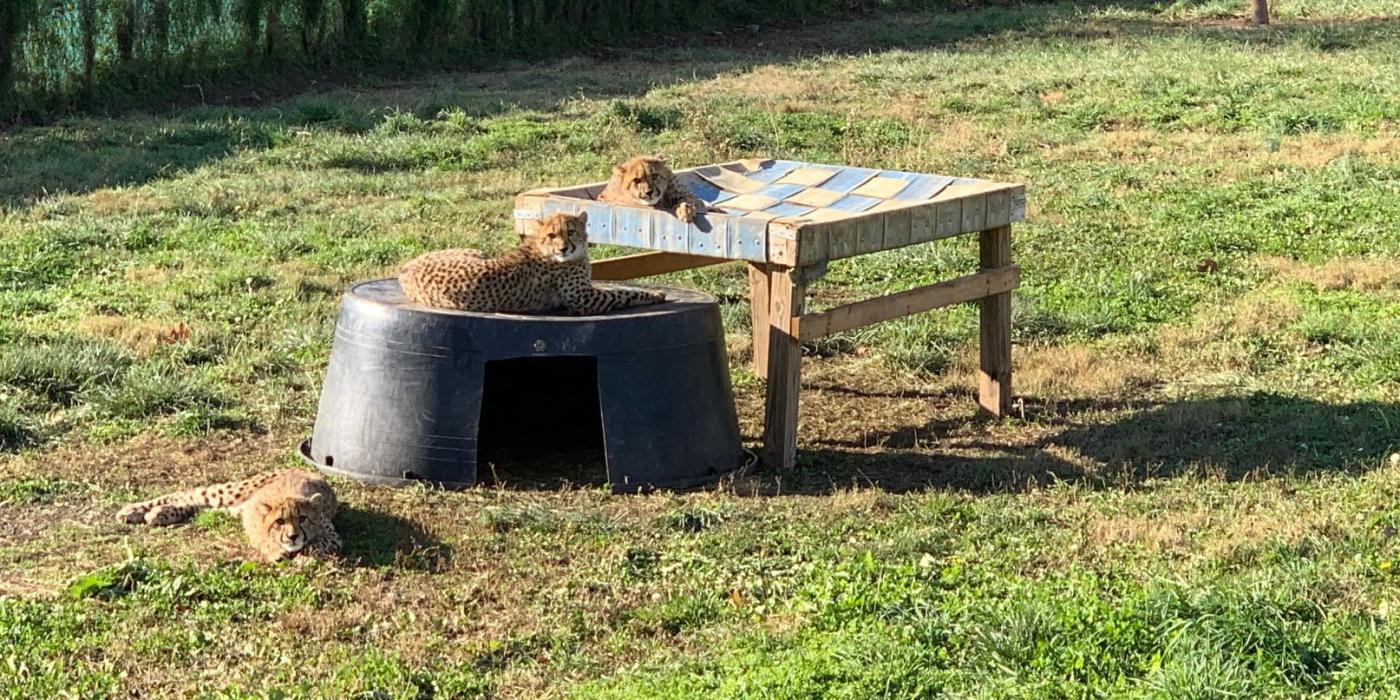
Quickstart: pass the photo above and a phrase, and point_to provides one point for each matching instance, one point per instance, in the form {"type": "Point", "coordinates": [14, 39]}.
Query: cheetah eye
{"type": "Point", "coordinates": [302, 520]}
{"type": "Point", "coordinates": [279, 522]}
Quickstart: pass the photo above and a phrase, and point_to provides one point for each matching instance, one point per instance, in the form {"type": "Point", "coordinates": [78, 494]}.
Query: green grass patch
{"type": "Point", "coordinates": [37, 490]}
{"type": "Point", "coordinates": [1193, 497]}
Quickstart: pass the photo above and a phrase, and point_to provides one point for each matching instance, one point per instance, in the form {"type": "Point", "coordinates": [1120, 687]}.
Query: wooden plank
{"type": "Point", "coordinates": [841, 239]}
{"type": "Point", "coordinates": [897, 228]}
{"type": "Point", "coordinates": [787, 291]}
{"type": "Point", "coordinates": [528, 207]}
{"type": "Point", "coordinates": [812, 245]}
{"type": "Point", "coordinates": [782, 243]}
{"type": "Point", "coordinates": [974, 213]}
{"type": "Point", "coordinates": [972, 202]}
{"type": "Point", "coordinates": [630, 267]}
{"type": "Point", "coordinates": [906, 303]}
{"type": "Point", "coordinates": [948, 218]}
{"type": "Point", "coordinates": [923, 223]}
{"type": "Point", "coordinates": [758, 316]}
{"type": "Point", "coordinates": [994, 377]}
{"type": "Point", "coordinates": [998, 209]}
{"type": "Point", "coordinates": [870, 234]}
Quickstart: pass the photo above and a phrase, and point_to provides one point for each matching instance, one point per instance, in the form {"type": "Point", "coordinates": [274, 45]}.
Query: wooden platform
{"type": "Point", "coordinates": [788, 219]}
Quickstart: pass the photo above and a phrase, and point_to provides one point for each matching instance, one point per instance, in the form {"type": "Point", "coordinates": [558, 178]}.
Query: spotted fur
{"type": "Point", "coordinates": [648, 182]}
{"type": "Point", "coordinates": [549, 271]}
{"type": "Point", "coordinates": [284, 513]}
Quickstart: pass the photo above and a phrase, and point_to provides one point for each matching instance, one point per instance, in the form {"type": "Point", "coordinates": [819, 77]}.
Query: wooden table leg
{"type": "Point", "coordinates": [787, 292]}
{"type": "Point", "coordinates": [758, 310]}
{"type": "Point", "coordinates": [994, 380]}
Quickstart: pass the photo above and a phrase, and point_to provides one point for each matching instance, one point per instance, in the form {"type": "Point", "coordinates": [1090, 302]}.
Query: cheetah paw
{"type": "Point", "coordinates": [133, 514]}
{"type": "Point", "coordinates": [163, 515]}
{"type": "Point", "coordinates": [685, 212]}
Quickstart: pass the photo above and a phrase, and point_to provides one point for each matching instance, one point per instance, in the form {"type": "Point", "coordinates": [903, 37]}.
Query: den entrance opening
{"type": "Point", "coordinates": [540, 424]}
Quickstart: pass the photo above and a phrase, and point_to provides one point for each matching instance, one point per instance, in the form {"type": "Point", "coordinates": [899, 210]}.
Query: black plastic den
{"type": "Point", "coordinates": [425, 395]}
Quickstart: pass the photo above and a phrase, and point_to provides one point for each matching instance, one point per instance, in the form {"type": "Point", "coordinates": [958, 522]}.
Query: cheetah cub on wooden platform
{"type": "Point", "coordinates": [285, 513]}
{"type": "Point", "coordinates": [548, 271]}
{"type": "Point", "coordinates": [647, 181]}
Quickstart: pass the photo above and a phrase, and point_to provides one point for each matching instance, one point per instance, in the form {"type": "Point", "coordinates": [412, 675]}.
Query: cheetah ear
{"type": "Point", "coordinates": [582, 217]}
{"type": "Point", "coordinates": [532, 227]}
{"type": "Point", "coordinates": [662, 158]}
{"type": "Point", "coordinates": [316, 498]}
{"type": "Point", "coordinates": [617, 170]}
{"type": "Point", "coordinates": [264, 509]}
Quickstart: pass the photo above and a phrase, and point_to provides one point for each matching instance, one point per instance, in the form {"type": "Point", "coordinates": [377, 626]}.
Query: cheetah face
{"type": "Point", "coordinates": [561, 237]}
{"type": "Point", "coordinates": [644, 178]}
{"type": "Point", "coordinates": [285, 522]}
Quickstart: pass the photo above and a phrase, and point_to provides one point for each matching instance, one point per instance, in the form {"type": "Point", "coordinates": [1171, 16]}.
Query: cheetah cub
{"type": "Point", "coordinates": [548, 271]}
{"type": "Point", "coordinates": [647, 181]}
{"type": "Point", "coordinates": [284, 513]}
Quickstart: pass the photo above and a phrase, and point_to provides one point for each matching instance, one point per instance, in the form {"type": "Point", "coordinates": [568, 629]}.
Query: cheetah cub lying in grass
{"type": "Point", "coordinates": [548, 271]}
{"type": "Point", "coordinates": [284, 513]}
{"type": "Point", "coordinates": [647, 181]}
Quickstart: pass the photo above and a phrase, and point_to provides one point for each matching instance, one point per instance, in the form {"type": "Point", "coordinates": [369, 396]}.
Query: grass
{"type": "Point", "coordinates": [1194, 497]}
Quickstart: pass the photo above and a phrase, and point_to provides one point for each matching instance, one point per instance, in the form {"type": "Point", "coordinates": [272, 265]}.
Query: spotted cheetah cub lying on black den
{"type": "Point", "coordinates": [548, 271]}
{"type": "Point", "coordinates": [648, 182]}
{"type": "Point", "coordinates": [285, 513]}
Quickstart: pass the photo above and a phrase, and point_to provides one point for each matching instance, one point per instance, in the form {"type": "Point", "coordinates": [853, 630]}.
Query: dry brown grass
{"type": "Point", "coordinates": [122, 201]}
{"type": "Point", "coordinates": [141, 335]}
{"type": "Point", "coordinates": [1078, 370]}
{"type": "Point", "coordinates": [1229, 157]}
{"type": "Point", "coordinates": [1358, 274]}
{"type": "Point", "coordinates": [769, 84]}
{"type": "Point", "coordinates": [1241, 526]}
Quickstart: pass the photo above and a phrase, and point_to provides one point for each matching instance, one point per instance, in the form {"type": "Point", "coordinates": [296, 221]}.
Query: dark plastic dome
{"type": "Point", "coordinates": [415, 394]}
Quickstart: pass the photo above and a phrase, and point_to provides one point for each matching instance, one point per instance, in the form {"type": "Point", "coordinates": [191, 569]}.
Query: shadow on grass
{"type": "Point", "coordinates": [1318, 35]}
{"type": "Point", "coordinates": [1258, 436]}
{"type": "Point", "coordinates": [376, 539]}
{"type": "Point", "coordinates": [80, 155]}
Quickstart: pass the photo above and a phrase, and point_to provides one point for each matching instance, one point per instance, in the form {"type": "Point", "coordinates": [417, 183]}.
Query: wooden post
{"type": "Point", "coordinates": [1261, 12]}
{"type": "Point", "coordinates": [994, 380]}
{"type": "Point", "coordinates": [787, 291]}
{"type": "Point", "coordinates": [630, 267]}
{"type": "Point", "coordinates": [758, 310]}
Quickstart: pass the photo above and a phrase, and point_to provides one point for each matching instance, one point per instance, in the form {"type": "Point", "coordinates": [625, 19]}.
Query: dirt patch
{"type": "Point", "coordinates": [152, 462]}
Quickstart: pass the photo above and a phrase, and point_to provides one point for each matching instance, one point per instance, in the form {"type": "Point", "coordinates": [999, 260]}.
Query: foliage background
{"type": "Point", "coordinates": [58, 55]}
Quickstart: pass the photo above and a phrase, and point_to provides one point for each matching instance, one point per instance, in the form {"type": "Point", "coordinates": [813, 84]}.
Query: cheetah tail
{"type": "Point", "coordinates": [221, 495]}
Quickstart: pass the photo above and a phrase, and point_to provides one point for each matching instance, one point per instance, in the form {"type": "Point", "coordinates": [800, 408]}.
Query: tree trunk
{"type": "Point", "coordinates": [1261, 12]}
